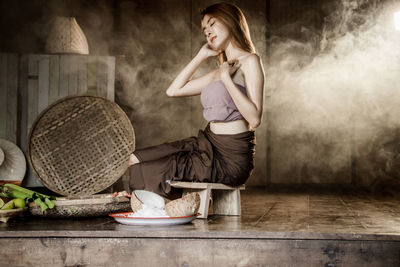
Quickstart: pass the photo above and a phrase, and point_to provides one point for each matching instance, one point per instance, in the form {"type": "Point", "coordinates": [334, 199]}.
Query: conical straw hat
{"type": "Point", "coordinates": [66, 37]}
{"type": "Point", "coordinates": [13, 164]}
{"type": "Point", "coordinates": [1, 156]}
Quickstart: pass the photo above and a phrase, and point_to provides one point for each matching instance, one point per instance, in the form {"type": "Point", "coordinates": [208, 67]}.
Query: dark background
{"type": "Point", "coordinates": [153, 40]}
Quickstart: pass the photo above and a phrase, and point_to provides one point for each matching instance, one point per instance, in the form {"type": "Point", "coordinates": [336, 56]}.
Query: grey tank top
{"type": "Point", "coordinates": [218, 104]}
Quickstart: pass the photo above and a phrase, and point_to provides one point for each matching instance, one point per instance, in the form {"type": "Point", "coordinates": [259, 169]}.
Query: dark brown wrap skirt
{"type": "Point", "coordinates": [209, 157]}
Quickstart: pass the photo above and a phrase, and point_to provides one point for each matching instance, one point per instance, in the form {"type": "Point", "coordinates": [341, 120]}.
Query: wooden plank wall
{"type": "Point", "coordinates": [40, 80]}
{"type": "Point", "coordinates": [8, 96]}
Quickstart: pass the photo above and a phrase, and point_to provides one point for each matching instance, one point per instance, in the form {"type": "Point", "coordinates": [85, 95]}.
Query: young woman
{"type": "Point", "coordinates": [232, 96]}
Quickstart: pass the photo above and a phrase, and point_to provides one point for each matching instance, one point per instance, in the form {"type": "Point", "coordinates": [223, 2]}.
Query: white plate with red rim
{"type": "Point", "coordinates": [128, 218]}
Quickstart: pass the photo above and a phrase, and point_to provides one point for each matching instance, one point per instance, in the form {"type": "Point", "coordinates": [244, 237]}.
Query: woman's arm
{"type": "Point", "coordinates": [182, 85]}
{"type": "Point", "coordinates": [250, 106]}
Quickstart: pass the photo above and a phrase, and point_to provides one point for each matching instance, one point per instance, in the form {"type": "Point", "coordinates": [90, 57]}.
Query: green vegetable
{"type": "Point", "coordinates": [8, 206]}
{"type": "Point", "coordinates": [49, 203]}
{"type": "Point", "coordinates": [3, 194]}
{"type": "Point", "coordinates": [15, 191]}
{"type": "Point", "coordinates": [40, 203]}
{"type": "Point", "coordinates": [19, 202]}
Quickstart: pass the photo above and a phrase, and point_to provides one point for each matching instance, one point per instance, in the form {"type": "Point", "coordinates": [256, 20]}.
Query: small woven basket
{"type": "Point", "coordinates": [71, 207]}
{"type": "Point", "coordinates": [80, 145]}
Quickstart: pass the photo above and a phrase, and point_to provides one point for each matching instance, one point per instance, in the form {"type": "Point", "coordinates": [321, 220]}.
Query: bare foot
{"type": "Point", "coordinates": [133, 160]}
{"type": "Point", "coordinates": [123, 193]}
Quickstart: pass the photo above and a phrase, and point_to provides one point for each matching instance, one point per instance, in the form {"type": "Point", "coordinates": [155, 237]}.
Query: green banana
{"type": "Point", "coordinates": [15, 191]}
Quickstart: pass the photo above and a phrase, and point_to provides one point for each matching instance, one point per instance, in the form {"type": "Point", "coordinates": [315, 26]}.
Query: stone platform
{"type": "Point", "coordinates": [277, 228]}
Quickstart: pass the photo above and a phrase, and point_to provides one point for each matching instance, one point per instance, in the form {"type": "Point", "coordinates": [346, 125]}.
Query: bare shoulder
{"type": "Point", "coordinates": [252, 59]}
{"type": "Point", "coordinates": [252, 64]}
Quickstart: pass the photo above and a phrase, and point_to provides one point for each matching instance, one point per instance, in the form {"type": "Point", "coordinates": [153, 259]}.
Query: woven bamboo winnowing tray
{"type": "Point", "coordinates": [80, 145]}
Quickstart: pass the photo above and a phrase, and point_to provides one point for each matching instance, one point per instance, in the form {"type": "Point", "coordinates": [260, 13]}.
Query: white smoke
{"type": "Point", "coordinates": [340, 89]}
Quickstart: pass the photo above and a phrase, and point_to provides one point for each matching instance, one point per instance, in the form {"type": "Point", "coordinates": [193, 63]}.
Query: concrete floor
{"type": "Point", "coordinates": [277, 228]}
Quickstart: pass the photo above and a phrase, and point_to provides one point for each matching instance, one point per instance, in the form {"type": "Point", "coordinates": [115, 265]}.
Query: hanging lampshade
{"type": "Point", "coordinates": [66, 37]}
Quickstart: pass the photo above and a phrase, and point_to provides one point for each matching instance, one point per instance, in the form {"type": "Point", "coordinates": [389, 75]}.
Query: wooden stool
{"type": "Point", "coordinates": [226, 199]}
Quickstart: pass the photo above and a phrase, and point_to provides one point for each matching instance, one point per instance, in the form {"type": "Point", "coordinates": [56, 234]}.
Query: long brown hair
{"type": "Point", "coordinates": [233, 18]}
